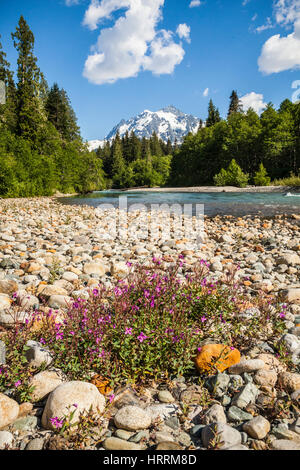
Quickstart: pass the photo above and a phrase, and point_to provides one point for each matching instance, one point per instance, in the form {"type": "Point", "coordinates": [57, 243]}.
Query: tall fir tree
{"type": "Point", "coordinates": [235, 105]}
{"type": "Point", "coordinates": [61, 114]}
{"type": "Point", "coordinates": [146, 149]}
{"type": "Point", "coordinates": [118, 163]}
{"type": "Point", "coordinates": [213, 115]}
{"type": "Point", "coordinates": [28, 115]}
{"type": "Point", "coordinates": [155, 145]}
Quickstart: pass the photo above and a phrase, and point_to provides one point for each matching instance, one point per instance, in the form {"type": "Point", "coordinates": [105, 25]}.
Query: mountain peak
{"type": "Point", "coordinates": [172, 109]}
{"type": "Point", "coordinates": [168, 123]}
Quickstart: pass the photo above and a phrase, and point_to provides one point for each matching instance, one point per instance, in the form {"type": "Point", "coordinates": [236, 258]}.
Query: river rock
{"type": "Point", "coordinates": [36, 444]}
{"type": "Point", "coordinates": [266, 378]}
{"type": "Point", "coordinates": [290, 342]}
{"type": "Point", "coordinates": [59, 301]}
{"type": "Point", "coordinates": [247, 395]}
{"type": "Point", "coordinates": [237, 415]}
{"type": "Point", "coordinates": [257, 428]}
{"type": "Point", "coordinates": [284, 444]}
{"type": "Point", "coordinates": [6, 439]}
{"type": "Point", "coordinates": [163, 412]}
{"type": "Point", "coordinates": [94, 268]}
{"type": "Point", "coordinates": [168, 446]}
{"type": "Point", "coordinates": [215, 415]}
{"type": "Point", "coordinates": [61, 401]}
{"type": "Point", "coordinates": [37, 354]}
{"type": "Point", "coordinates": [291, 295]}
{"type": "Point", "coordinates": [249, 365]}
{"type": "Point", "coordinates": [165, 396]}
{"type": "Point", "coordinates": [9, 410]}
{"type": "Point", "coordinates": [8, 286]}
{"type": "Point", "coordinates": [132, 418]}
{"type": "Point", "coordinates": [225, 435]}
{"type": "Point", "coordinates": [289, 381]}
{"type": "Point", "coordinates": [44, 383]}
{"type": "Point", "coordinates": [219, 356]}
{"type": "Point", "coordinates": [113, 443]}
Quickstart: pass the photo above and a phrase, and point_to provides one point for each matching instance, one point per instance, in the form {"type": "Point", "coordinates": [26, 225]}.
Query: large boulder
{"type": "Point", "coordinates": [72, 396]}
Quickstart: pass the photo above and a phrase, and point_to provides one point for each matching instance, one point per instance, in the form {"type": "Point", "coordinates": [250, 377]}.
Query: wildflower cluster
{"type": "Point", "coordinates": [151, 324]}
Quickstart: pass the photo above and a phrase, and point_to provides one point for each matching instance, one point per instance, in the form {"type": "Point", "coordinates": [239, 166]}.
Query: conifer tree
{"type": "Point", "coordinates": [136, 146]}
{"type": "Point", "coordinates": [61, 114]}
{"type": "Point", "coordinates": [213, 115]}
{"type": "Point", "coordinates": [146, 150]}
{"type": "Point", "coordinates": [126, 148]}
{"type": "Point", "coordinates": [169, 148]}
{"type": "Point", "coordinates": [118, 163]}
{"type": "Point", "coordinates": [28, 113]}
{"type": "Point", "coordinates": [235, 105]}
{"type": "Point", "coordinates": [155, 147]}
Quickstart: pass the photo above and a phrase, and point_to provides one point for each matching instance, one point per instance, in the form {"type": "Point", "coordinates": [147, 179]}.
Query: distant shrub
{"type": "Point", "coordinates": [292, 181]}
{"type": "Point", "coordinates": [261, 177]}
{"type": "Point", "coordinates": [233, 176]}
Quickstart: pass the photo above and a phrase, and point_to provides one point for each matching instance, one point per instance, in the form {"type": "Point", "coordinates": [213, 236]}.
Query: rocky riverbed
{"type": "Point", "coordinates": [52, 253]}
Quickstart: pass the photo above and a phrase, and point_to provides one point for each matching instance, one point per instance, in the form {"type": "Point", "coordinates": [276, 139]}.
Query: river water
{"type": "Point", "coordinates": [236, 204]}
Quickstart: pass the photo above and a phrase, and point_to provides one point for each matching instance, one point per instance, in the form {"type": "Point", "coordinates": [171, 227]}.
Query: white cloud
{"type": "Point", "coordinates": [280, 53]}
{"type": "Point", "coordinates": [253, 100]}
{"type": "Point", "coordinates": [195, 3]}
{"type": "Point", "coordinates": [184, 32]}
{"type": "Point", "coordinates": [264, 27]}
{"type": "Point", "coordinates": [206, 91]}
{"type": "Point", "coordinates": [133, 43]}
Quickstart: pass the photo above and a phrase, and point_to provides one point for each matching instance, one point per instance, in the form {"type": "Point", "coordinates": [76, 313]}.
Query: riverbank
{"type": "Point", "coordinates": [220, 189]}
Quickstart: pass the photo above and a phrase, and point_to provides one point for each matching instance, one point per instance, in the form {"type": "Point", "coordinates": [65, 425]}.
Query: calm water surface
{"type": "Point", "coordinates": [237, 204]}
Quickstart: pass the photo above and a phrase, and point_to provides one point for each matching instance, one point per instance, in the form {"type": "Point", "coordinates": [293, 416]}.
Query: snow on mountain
{"type": "Point", "coordinates": [168, 123]}
{"type": "Point", "coordinates": [95, 144]}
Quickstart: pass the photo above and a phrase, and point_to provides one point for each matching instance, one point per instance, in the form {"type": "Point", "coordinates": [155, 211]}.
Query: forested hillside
{"type": "Point", "coordinates": [41, 150]}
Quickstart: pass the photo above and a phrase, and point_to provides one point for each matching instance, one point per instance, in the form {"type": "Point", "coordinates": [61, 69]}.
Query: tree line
{"type": "Point", "coordinates": [263, 147]}
{"type": "Point", "coordinates": [133, 162]}
{"type": "Point", "coordinates": [41, 150]}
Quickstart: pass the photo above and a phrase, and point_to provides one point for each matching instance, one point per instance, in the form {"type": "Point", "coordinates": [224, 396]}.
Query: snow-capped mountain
{"type": "Point", "coordinates": [168, 123]}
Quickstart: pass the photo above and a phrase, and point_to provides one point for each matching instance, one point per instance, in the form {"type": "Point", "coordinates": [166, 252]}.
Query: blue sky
{"type": "Point", "coordinates": [116, 58]}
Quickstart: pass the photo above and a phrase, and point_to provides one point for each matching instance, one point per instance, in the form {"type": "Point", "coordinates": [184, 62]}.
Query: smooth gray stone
{"type": "Point", "coordinates": [237, 415]}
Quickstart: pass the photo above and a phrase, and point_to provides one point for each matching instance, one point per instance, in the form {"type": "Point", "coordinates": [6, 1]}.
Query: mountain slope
{"type": "Point", "coordinates": [168, 123]}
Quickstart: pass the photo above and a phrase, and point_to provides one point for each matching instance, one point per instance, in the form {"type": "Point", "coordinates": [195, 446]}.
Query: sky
{"type": "Point", "coordinates": [116, 58]}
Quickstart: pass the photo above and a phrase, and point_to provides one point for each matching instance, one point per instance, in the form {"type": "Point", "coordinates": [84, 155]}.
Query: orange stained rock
{"type": "Point", "coordinates": [247, 283]}
{"type": "Point", "coordinates": [41, 322]}
{"type": "Point", "coordinates": [102, 384]}
{"type": "Point", "coordinates": [217, 356]}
